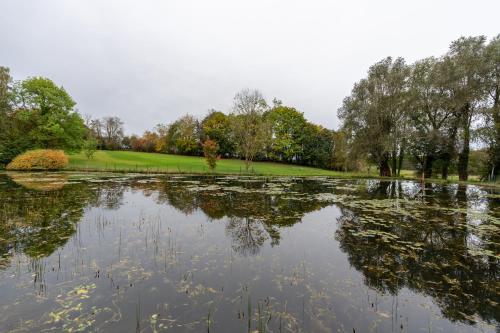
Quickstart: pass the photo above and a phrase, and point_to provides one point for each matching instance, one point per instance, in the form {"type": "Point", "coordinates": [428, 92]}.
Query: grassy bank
{"type": "Point", "coordinates": [128, 161]}
{"type": "Point", "coordinates": [165, 163]}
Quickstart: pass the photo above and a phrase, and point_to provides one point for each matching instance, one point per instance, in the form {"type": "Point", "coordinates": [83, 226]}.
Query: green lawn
{"type": "Point", "coordinates": [137, 161]}
{"type": "Point", "coordinates": [129, 161]}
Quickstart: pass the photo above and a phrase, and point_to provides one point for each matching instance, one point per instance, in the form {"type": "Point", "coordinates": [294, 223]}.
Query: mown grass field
{"type": "Point", "coordinates": [129, 161]}
{"type": "Point", "coordinates": [152, 162]}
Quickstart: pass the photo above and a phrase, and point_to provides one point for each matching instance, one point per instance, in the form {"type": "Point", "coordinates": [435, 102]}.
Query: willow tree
{"type": "Point", "coordinates": [375, 114]}
{"type": "Point", "coordinates": [429, 116]}
{"type": "Point", "coordinates": [465, 83]}
{"type": "Point", "coordinates": [492, 85]}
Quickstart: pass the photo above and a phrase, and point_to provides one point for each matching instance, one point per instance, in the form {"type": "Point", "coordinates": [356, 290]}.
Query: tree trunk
{"type": "Point", "coordinates": [463, 163]}
{"type": "Point", "coordinates": [450, 148]}
{"type": "Point", "coordinates": [429, 160]}
{"type": "Point", "coordinates": [382, 188]}
{"type": "Point", "coordinates": [247, 161]}
{"type": "Point", "coordinates": [401, 158]}
{"type": "Point", "coordinates": [444, 172]}
{"type": "Point", "coordinates": [394, 162]}
{"type": "Point", "coordinates": [463, 157]}
{"type": "Point", "coordinates": [385, 170]}
{"type": "Point", "coordinates": [495, 159]}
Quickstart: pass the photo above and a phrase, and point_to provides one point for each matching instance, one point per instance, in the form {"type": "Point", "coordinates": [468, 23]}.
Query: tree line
{"type": "Point", "coordinates": [36, 113]}
{"type": "Point", "coordinates": [430, 111]}
{"type": "Point", "coordinates": [253, 130]}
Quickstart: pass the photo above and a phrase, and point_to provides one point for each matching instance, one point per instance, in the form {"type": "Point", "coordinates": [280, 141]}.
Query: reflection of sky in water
{"type": "Point", "coordinates": [410, 189]}
{"type": "Point", "coordinates": [170, 251]}
{"type": "Point", "coordinates": [477, 214]}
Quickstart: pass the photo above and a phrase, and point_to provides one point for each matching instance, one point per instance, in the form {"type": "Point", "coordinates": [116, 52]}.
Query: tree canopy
{"type": "Point", "coordinates": [431, 110]}
{"type": "Point", "coordinates": [36, 113]}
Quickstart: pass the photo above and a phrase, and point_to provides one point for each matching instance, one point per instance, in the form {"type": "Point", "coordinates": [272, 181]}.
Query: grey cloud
{"type": "Point", "coordinates": [153, 61]}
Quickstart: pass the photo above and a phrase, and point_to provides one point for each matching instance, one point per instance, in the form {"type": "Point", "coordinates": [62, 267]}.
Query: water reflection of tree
{"type": "Point", "coordinates": [109, 195]}
{"type": "Point", "coordinates": [426, 249]}
{"type": "Point", "coordinates": [37, 222]}
{"type": "Point", "coordinates": [256, 210]}
{"type": "Point", "coordinates": [247, 235]}
{"type": "Point", "coordinates": [430, 243]}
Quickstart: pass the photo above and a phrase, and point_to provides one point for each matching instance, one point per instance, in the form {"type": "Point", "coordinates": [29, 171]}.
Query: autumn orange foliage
{"type": "Point", "coordinates": [39, 159]}
{"type": "Point", "coordinates": [210, 152]}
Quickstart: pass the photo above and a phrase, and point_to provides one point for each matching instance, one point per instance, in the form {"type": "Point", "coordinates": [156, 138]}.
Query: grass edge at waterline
{"type": "Point", "coordinates": [155, 163]}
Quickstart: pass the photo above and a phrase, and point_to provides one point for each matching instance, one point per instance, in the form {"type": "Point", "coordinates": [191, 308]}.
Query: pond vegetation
{"type": "Point", "coordinates": [116, 252]}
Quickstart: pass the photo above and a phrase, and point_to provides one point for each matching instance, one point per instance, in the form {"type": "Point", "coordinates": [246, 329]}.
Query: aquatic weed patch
{"type": "Point", "coordinates": [160, 253]}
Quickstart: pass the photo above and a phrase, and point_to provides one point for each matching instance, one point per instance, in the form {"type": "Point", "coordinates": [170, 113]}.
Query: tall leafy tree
{"type": "Point", "coordinates": [50, 111]}
{"type": "Point", "coordinates": [340, 159]}
{"type": "Point", "coordinates": [147, 142]}
{"type": "Point", "coordinates": [429, 116]}
{"type": "Point", "coordinates": [375, 114]}
{"type": "Point", "coordinates": [5, 87]}
{"type": "Point", "coordinates": [112, 131]}
{"type": "Point", "coordinates": [287, 133]}
{"type": "Point", "coordinates": [248, 123]}
{"type": "Point", "coordinates": [183, 136]}
{"type": "Point", "coordinates": [96, 129]}
{"type": "Point", "coordinates": [216, 126]}
{"type": "Point", "coordinates": [42, 116]}
{"type": "Point", "coordinates": [8, 146]}
{"type": "Point", "coordinates": [466, 70]}
{"type": "Point", "coordinates": [318, 146]}
{"type": "Point", "coordinates": [161, 143]}
{"type": "Point", "coordinates": [492, 109]}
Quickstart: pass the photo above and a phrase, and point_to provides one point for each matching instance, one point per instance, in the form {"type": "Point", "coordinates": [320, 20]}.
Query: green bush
{"type": "Point", "coordinates": [39, 159]}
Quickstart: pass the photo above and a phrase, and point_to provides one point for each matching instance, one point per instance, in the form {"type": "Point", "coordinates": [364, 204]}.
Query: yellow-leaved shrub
{"type": "Point", "coordinates": [39, 159]}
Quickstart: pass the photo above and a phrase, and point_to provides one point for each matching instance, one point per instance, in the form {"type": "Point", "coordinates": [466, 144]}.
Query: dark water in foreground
{"type": "Point", "coordinates": [181, 254]}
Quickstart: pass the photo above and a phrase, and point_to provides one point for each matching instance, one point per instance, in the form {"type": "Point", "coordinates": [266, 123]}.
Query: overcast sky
{"type": "Point", "coordinates": [151, 62]}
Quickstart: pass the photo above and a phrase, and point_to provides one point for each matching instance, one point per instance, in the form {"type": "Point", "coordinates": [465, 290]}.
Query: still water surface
{"type": "Point", "coordinates": [115, 253]}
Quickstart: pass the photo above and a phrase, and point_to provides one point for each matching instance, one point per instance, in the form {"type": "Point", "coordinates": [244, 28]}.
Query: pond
{"type": "Point", "coordinates": [136, 253]}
